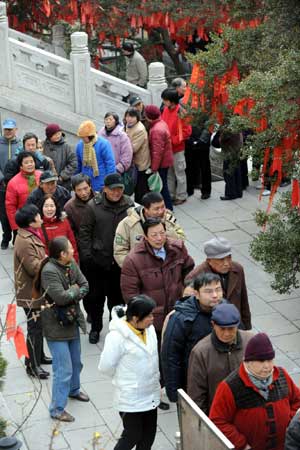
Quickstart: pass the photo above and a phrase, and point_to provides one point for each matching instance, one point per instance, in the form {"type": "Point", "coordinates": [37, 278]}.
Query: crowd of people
{"type": "Point", "coordinates": [78, 236]}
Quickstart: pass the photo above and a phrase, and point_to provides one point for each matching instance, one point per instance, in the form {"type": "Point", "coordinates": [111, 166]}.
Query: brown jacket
{"type": "Point", "coordinates": [210, 362]}
{"type": "Point", "coordinates": [139, 140]}
{"type": "Point", "coordinates": [236, 289]}
{"type": "Point", "coordinates": [145, 273]}
{"type": "Point", "coordinates": [29, 251]}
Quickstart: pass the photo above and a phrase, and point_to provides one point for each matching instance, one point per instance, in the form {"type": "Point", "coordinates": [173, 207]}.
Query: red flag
{"type": "Point", "coordinates": [10, 321]}
{"type": "Point", "coordinates": [20, 343]}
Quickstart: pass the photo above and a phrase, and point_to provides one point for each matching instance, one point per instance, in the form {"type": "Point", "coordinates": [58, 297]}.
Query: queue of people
{"type": "Point", "coordinates": [79, 238]}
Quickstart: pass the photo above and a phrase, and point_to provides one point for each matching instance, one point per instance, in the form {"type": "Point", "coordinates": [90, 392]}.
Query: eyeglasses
{"type": "Point", "coordinates": [211, 291]}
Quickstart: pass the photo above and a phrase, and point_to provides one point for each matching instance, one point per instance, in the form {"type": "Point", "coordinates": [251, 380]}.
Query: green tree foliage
{"type": "Point", "coordinates": [3, 365]}
{"type": "Point", "coordinates": [277, 247]}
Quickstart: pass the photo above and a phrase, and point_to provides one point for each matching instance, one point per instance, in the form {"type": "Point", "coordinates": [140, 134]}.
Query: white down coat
{"type": "Point", "coordinates": [133, 367]}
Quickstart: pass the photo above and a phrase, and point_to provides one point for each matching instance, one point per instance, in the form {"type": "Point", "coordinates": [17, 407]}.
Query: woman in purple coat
{"type": "Point", "coordinates": [120, 142]}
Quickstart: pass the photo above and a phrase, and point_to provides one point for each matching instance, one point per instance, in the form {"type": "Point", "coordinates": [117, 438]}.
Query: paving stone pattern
{"type": "Point", "coordinates": [278, 315]}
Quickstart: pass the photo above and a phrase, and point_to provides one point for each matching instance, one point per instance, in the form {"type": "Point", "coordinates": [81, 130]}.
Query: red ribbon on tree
{"type": "Point", "coordinates": [20, 343]}
{"type": "Point", "coordinates": [295, 194]}
{"type": "Point", "coordinates": [10, 322]}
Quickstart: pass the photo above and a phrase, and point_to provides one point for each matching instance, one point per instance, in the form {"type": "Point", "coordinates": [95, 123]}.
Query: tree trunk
{"type": "Point", "coordinates": [170, 49]}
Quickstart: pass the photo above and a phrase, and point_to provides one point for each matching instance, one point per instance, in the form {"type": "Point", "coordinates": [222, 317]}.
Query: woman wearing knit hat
{"type": "Point", "coordinates": [160, 149]}
{"type": "Point", "coordinates": [63, 156]}
{"type": "Point", "coordinates": [254, 404]}
{"type": "Point", "coordinates": [95, 157]}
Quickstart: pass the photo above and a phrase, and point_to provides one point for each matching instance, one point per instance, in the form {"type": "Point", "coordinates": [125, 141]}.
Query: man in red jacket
{"type": "Point", "coordinates": [160, 149]}
{"type": "Point", "coordinates": [255, 403]}
{"type": "Point", "coordinates": [179, 131]}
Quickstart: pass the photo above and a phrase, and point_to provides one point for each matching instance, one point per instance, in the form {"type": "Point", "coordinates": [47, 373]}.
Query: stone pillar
{"type": "Point", "coordinates": [58, 40]}
{"type": "Point", "coordinates": [157, 81]}
{"type": "Point", "coordinates": [5, 72]}
{"type": "Point", "coordinates": [80, 59]}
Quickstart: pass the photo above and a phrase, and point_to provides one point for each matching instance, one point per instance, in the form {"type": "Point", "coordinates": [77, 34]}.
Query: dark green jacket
{"type": "Point", "coordinates": [64, 285]}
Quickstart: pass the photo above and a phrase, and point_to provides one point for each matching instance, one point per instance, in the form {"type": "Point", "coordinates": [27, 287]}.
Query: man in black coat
{"type": "Point", "coordinates": [190, 322]}
{"type": "Point", "coordinates": [96, 237]}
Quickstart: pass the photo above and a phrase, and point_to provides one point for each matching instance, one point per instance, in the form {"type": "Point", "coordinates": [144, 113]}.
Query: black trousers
{"type": "Point", "coordinates": [103, 283]}
{"type": "Point", "coordinates": [141, 187]}
{"type": "Point", "coordinates": [163, 172]}
{"type": "Point", "coordinates": [139, 430]}
{"type": "Point", "coordinates": [198, 168]}
{"type": "Point", "coordinates": [233, 180]}
{"type": "Point", "coordinates": [34, 339]}
{"type": "Point", "coordinates": [3, 216]}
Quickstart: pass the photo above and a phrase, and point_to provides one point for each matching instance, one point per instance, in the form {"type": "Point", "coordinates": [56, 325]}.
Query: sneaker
{"type": "Point", "coordinates": [266, 192]}
{"type": "Point", "coordinates": [64, 417]}
{"type": "Point", "coordinates": [94, 337]}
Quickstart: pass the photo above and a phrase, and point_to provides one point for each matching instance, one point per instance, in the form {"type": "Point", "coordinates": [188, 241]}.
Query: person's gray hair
{"type": "Point", "coordinates": [177, 82]}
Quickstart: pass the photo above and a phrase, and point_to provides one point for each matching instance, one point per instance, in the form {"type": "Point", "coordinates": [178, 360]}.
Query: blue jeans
{"type": "Point", "coordinates": [66, 366]}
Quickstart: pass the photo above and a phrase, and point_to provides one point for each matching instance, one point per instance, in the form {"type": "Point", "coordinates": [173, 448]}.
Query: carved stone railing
{"type": "Point", "coordinates": [30, 40]}
{"type": "Point", "coordinates": [40, 78]}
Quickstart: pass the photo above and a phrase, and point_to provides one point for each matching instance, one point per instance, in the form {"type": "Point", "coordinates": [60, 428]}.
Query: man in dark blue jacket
{"type": "Point", "coordinates": [190, 323]}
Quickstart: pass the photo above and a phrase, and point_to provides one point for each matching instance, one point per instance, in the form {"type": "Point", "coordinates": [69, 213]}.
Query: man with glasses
{"type": "Point", "coordinates": [218, 260]}
{"type": "Point", "coordinates": [190, 323]}
{"type": "Point", "coordinates": [156, 266]}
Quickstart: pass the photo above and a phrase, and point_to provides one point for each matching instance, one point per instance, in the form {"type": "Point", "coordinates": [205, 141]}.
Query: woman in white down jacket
{"type": "Point", "coordinates": [130, 358]}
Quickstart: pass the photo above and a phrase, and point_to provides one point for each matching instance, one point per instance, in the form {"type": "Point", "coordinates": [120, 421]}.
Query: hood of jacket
{"type": "Point", "coordinates": [119, 325]}
{"type": "Point", "coordinates": [115, 132]}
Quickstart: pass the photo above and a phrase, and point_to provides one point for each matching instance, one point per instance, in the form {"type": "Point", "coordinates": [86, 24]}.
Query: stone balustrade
{"type": "Point", "coordinates": [39, 77]}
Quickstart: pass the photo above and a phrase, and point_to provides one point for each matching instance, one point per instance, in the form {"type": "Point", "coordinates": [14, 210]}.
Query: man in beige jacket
{"type": "Point", "coordinates": [129, 230]}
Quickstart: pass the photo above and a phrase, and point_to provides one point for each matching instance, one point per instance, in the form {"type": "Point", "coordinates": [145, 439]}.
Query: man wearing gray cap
{"type": "Point", "coordinates": [216, 355]}
{"type": "Point", "coordinates": [218, 260]}
{"type": "Point", "coordinates": [8, 146]}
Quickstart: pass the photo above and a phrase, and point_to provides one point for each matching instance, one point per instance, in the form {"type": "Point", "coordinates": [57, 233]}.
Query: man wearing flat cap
{"type": "Point", "coordinates": [216, 355]}
{"type": "Point", "coordinates": [48, 186]}
{"type": "Point", "coordinates": [218, 260]}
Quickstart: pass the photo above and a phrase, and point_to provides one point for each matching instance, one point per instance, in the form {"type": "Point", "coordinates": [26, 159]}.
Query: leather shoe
{"type": "Point", "coordinates": [37, 372]}
{"type": "Point", "coordinates": [179, 202]}
{"type": "Point", "coordinates": [94, 337]}
{"type": "Point", "coordinates": [205, 196]}
{"type": "Point", "coordinates": [224, 197]}
{"type": "Point", "coordinates": [164, 406]}
{"type": "Point", "coordinates": [4, 245]}
{"type": "Point", "coordinates": [81, 397]}
{"type": "Point", "coordinates": [46, 360]}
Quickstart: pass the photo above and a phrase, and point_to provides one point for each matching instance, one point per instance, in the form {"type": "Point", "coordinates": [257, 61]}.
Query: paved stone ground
{"type": "Point", "coordinates": [279, 315]}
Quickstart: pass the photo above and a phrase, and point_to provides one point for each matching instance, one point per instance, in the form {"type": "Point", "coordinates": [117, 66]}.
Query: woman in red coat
{"type": "Point", "coordinates": [20, 186]}
{"type": "Point", "coordinates": [160, 149]}
{"type": "Point", "coordinates": [55, 223]}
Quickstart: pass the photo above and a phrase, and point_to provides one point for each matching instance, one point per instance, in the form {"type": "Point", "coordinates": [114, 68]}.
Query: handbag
{"type": "Point", "coordinates": [129, 179]}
